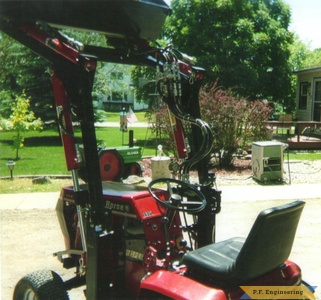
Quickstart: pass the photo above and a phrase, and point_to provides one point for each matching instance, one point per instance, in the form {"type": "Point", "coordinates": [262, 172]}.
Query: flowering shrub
{"type": "Point", "coordinates": [235, 122]}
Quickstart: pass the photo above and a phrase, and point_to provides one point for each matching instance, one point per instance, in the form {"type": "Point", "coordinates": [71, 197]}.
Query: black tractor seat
{"type": "Point", "coordinates": [239, 260]}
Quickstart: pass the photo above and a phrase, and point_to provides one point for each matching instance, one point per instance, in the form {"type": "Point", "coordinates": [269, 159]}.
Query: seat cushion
{"type": "Point", "coordinates": [217, 260]}
{"type": "Point", "coordinates": [267, 247]}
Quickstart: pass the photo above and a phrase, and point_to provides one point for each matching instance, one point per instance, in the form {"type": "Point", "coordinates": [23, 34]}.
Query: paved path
{"type": "Point", "coordinates": [28, 201]}
{"type": "Point", "coordinates": [28, 225]}
{"type": "Point", "coordinates": [116, 124]}
{"type": "Point", "coordinates": [229, 194]}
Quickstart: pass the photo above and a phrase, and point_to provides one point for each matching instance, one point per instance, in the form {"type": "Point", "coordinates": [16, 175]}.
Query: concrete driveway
{"type": "Point", "coordinates": [30, 232]}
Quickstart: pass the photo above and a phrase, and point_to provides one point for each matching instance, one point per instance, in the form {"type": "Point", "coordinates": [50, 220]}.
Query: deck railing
{"type": "Point", "coordinates": [299, 134]}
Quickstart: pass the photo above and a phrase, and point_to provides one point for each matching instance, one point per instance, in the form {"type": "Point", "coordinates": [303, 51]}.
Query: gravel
{"type": "Point", "coordinates": [294, 172]}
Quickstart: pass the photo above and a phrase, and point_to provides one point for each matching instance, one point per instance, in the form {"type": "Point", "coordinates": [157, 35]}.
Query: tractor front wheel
{"type": "Point", "coordinates": [40, 285]}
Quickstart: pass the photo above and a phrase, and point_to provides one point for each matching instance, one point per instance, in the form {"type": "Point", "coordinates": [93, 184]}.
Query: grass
{"type": "Point", "coordinates": [114, 116]}
{"type": "Point", "coordinates": [25, 185]}
{"type": "Point", "coordinates": [43, 155]}
{"type": "Point", "coordinates": [112, 137]}
{"type": "Point", "coordinates": [305, 155]}
{"type": "Point", "coordinates": [43, 152]}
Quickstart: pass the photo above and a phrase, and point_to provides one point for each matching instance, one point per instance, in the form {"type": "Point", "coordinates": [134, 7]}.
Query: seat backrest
{"type": "Point", "coordinates": [270, 240]}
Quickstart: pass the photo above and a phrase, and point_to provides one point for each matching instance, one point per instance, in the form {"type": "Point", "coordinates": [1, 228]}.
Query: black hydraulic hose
{"type": "Point", "coordinates": [207, 143]}
{"type": "Point", "coordinates": [205, 148]}
{"type": "Point", "coordinates": [175, 106]}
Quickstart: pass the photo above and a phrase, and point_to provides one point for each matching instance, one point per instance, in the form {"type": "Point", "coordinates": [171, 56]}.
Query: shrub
{"type": "Point", "coordinates": [100, 115]}
{"type": "Point", "coordinates": [235, 122]}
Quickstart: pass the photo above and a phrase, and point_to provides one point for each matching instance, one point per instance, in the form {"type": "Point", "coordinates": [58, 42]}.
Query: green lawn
{"type": "Point", "coordinates": [304, 155]}
{"type": "Point", "coordinates": [43, 152]}
{"type": "Point", "coordinates": [114, 116]}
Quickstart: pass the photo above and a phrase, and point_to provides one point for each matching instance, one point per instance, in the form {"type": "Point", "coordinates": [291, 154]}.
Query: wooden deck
{"type": "Point", "coordinates": [299, 135]}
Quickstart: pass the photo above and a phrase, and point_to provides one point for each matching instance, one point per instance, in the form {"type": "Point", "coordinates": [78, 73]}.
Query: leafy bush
{"type": "Point", "coordinates": [100, 115]}
{"type": "Point", "coordinates": [235, 122]}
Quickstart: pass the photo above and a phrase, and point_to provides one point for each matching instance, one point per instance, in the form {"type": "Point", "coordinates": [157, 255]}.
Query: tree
{"type": "Point", "coordinates": [313, 59]}
{"type": "Point", "coordinates": [21, 121]}
{"type": "Point", "coordinates": [243, 43]}
{"type": "Point", "coordinates": [300, 54]}
{"type": "Point", "coordinates": [22, 71]}
{"type": "Point", "coordinates": [302, 57]}
{"type": "Point", "coordinates": [143, 79]}
{"type": "Point", "coordinates": [5, 104]}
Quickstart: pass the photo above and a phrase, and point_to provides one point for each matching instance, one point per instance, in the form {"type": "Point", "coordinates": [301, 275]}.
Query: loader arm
{"type": "Point", "coordinates": [129, 26]}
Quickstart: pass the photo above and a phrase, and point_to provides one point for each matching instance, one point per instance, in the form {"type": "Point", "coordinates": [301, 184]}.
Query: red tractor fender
{"type": "Point", "coordinates": [176, 286]}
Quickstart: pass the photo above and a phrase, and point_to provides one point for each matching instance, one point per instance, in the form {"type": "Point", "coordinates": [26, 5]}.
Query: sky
{"type": "Point", "coordinates": [306, 21]}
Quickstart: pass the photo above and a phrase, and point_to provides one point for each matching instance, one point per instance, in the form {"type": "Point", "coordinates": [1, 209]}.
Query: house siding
{"type": "Point", "coordinates": [308, 76]}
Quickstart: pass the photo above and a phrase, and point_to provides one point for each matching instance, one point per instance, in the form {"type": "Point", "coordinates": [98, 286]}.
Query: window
{"type": "Point", "coordinates": [117, 75]}
{"type": "Point", "coordinates": [317, 91]}
{"type": "Point", "coordinates": [117, 96]}
{"type": "Point", "coordinates": [303, 96]}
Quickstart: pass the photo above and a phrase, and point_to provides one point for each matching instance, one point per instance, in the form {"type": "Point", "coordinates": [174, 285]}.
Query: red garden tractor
{"type": "Point", "coordinates": [130, 241]}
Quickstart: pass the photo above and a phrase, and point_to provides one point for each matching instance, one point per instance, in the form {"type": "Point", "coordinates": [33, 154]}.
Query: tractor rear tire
{"type": "Point", "coordinates": [40, 285]}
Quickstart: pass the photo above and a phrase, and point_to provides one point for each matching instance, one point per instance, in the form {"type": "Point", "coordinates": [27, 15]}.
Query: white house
{"type": "Point", "coordinates": [121, 93]}
{"type": "Point", "coordinates": [308, 98]}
